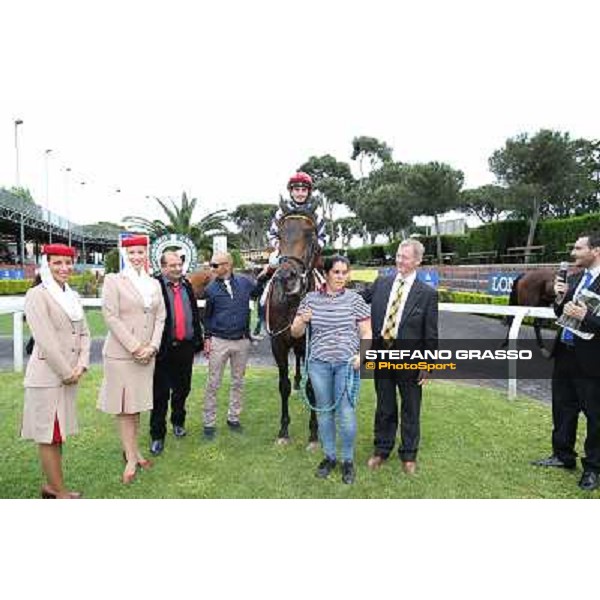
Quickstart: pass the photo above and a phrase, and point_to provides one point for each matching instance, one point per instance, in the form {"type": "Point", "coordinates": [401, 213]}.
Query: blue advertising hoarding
{"type": "Point", "coordinates": [500, 284]}
{"type": "Point", "coordinates": [12, 274]}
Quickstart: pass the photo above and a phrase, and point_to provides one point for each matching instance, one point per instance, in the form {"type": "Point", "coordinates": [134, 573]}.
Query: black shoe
{"type": "Point", "coordinates": [348, 472]}
{"type": "Point", "coordinates": [179, 431]}
{"type": "Point", "coordinates": [235, 426]}
{"type": "Point", "coordinates": [209, 433]}
{"type": "Point", "coordinates": [553, 461]}
{"type": "Point", "coordinates": [325, 467]}
{"type": "Point", "coordinates": [156, 447]}
{"type": "Point", "coordinates": [589, 481]}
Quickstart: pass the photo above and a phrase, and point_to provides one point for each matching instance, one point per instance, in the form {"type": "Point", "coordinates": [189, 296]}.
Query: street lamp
{"type": "Point", "coordinates": [17, 178]}
{"type": "Point", "coordinates": [67, 171]}
{"type": "Point", "coordinates": [46, 157]}
{"type": "Point", "coordinates": [84, 258]}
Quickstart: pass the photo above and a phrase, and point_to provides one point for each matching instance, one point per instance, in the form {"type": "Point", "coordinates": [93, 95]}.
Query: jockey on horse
{"type": "Point", "coordinates": [300, 204]}
{"type": "Point", "coordinates": [300, 188]}
{"type": "Point", "coordinates": [297, 235]}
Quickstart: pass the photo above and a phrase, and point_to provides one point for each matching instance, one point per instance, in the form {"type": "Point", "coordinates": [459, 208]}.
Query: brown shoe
{"type": "Point", "coordinates": [375, 462]}
{"type": "Point", "coordinates": [409, 467]}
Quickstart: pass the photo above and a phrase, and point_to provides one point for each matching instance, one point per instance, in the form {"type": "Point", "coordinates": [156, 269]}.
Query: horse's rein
{"type": "Point", "coordinates": [267, 313]}
{"type": "Point", "coordinates": [304, 264]}
{"type": "Point", "coordinates": [304, 276]}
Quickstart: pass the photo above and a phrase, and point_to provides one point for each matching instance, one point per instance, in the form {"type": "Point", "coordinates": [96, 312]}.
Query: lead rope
{"type": "Point", "coordinates": [351, 384]}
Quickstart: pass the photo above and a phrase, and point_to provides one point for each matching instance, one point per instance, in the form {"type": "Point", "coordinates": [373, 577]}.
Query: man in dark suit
{"type": "Point", "coordinates": [576, 375]}
{"type": "Point", "coordinates": [402, 308]}
{"type": "Point", "coordinates": [182, 338]}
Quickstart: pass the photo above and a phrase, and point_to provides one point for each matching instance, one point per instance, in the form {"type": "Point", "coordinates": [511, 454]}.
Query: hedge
{"type": "Point", "coordinates": [85, 284]}
{"type": "Point", "coordinates": [554, 234]}
{"type": "Point", "coordinates": [13, 287]}
{"type": "Point", "coordinates": [446, 295]}
{"type": "Point", "coordinates": [459, 244]}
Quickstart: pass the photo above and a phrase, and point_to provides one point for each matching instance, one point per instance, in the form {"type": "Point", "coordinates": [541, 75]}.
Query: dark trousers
{"type": "Point", "coordinates": [572, 393]}
{"type": "Point", "coordinates": [172, 379]}
{"type": "Point", "coordinates": [386, 416]}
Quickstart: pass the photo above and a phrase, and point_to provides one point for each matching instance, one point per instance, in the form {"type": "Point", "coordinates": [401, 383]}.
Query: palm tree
{"type": "Point", "coordinates": [179, 220]}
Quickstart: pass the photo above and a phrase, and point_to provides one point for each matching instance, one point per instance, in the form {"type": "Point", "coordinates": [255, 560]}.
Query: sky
{"type": "Point", "coordinates": [226, 100]}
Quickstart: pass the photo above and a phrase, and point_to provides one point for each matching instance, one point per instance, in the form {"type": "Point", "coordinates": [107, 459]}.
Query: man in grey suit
{"type": "Point", "coordinates": [402, 308]}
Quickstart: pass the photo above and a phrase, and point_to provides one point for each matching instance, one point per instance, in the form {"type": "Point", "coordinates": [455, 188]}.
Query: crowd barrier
{"type": "Point", "coordinates": [15, 305]}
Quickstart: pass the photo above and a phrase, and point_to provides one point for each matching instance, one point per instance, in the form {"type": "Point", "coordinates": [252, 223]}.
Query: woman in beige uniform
{"type": "Point", "coordinates": [60, 356]}
{"type": "Point", "coordinates": [134, 311]}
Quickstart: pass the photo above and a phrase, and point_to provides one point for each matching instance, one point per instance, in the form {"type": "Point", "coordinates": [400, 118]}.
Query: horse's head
{"type": "Point", "coordinates": [290, 280]}
{"type": "Point", "coordinates": [199, 280]}
{"type": "Point", "coordinates": [298, 238]}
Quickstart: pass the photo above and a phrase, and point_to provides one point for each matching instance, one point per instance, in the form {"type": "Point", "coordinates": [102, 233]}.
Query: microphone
{"type": "Point", "coordinates": [562, 271]}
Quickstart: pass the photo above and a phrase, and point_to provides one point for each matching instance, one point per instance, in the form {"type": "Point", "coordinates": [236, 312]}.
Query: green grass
{"type": "Point", "coordinates": [368, 275]}
{"type": "Point", "coordinates": [475, 444]}
{"type": "Point", "coordinates": [93, 315]}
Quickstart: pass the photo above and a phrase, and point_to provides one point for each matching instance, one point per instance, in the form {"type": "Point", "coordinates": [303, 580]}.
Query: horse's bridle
{"type": "Point", "coordinates": [304, 274]}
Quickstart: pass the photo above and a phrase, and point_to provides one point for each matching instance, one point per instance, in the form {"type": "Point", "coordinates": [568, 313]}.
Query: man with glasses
{"type": "Point", "coordinates": [227, 338]}
{"type": "Point", "coordinates": [403, 310]}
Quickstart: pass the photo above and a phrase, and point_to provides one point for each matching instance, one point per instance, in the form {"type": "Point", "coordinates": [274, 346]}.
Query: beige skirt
{"type": "Point", "coordinates": [126, 387]}
{"type": "Point", "coordinates": [43, 406]}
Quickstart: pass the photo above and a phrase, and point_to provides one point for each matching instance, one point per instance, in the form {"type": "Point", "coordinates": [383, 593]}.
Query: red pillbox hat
{"type": "Point", "coordinates": [58, 250]}
{"type": "Point", "coordinates": [134, 240]}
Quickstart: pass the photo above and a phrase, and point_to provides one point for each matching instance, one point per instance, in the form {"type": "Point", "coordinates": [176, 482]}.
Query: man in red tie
{"type": "Point", "coordinates": [182, 338]}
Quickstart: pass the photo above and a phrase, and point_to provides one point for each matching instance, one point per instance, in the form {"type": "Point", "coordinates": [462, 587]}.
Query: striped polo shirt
{"type": "Point", "coordinates": [334, 335]}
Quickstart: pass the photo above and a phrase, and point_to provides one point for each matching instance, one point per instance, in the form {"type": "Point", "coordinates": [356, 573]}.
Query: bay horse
{"type": "Point", "coordinates": [199, 280]}
{"type": "Point", "coordinates": [533, 288]}
{"type": "Point", "coordinates": [293, 278]}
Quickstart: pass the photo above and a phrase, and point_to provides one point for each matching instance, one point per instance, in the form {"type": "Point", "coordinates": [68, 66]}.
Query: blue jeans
{"type": "Point", "coordinates": [329, 383]}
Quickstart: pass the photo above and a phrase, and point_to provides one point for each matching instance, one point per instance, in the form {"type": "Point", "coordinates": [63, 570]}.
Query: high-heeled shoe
{"type": "Point", "coordinates": [48, 493]}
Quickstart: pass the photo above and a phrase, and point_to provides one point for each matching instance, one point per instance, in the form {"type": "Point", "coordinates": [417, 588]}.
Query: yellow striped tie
{"type": "Point", "coordinates": [389, 327]}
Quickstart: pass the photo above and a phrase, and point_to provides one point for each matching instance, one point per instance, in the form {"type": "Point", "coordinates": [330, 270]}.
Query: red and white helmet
{"type": "Point", "coordinates": [300, 177]}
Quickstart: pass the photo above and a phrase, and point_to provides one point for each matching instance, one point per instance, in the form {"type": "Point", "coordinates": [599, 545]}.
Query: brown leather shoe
{"type": "Point", "coordinates": [375, 462]}
{"type": "Point", "coordinates": [409, 467]}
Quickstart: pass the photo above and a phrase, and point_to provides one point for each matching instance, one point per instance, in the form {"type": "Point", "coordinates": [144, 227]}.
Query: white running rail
{"type": "Point", "coordinates": [14, 305]}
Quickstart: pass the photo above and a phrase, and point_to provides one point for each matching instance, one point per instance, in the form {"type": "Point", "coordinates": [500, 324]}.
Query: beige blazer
{"type": "Point", "coordinates": [60, 344]}
{"type": "Point", "coordinates": [130, 324]}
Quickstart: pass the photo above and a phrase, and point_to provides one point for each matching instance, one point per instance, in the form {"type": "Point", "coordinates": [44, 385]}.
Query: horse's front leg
{"type": "Point", "coordinates": [298, 373]}
{"type": "Point", "coordinates": [285, 389]}
{"type": "Point", "coordinates": [313, 427]}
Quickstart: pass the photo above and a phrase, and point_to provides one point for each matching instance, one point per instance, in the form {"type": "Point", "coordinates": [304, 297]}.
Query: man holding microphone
{"type": "Point", "coordinates": [575, 382]}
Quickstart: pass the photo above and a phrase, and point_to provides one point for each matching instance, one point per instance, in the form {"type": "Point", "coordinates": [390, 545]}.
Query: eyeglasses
{"type": "Point", "coordinates": [299, 186]}
{"type": "Point", "coordinates": [216, 265]}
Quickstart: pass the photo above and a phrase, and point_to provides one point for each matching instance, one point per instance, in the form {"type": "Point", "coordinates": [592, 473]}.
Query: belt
{"type": "Point", "coordinates": [177, 343]}
{"type": "Point", "coordinates": [231, 337]}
